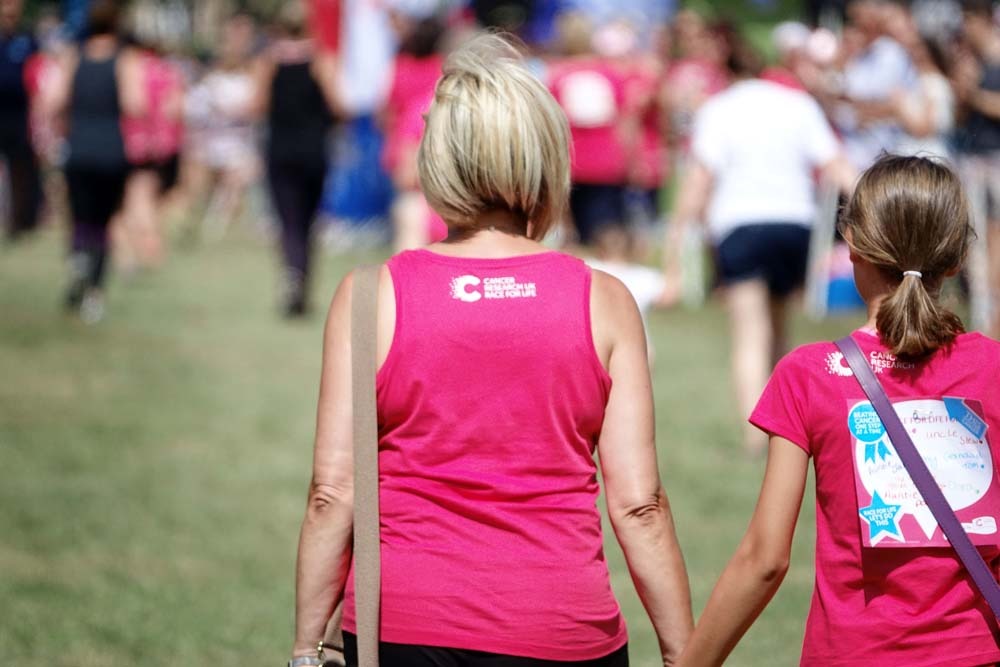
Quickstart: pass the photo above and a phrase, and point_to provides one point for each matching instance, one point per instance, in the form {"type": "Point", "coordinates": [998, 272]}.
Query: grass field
{"type": "Point", "coordinates": [154, 466]}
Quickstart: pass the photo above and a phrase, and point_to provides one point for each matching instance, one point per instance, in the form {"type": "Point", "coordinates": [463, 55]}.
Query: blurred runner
{"type": "Point", "coordinates": [223, 158]}
{"type": "Point", "coordinates": [16, 49]}
{"type": "Point", "coordinates": [416, 70]}
{"type": "Point", "coordinates": [99, 90]}
{"type": "Point", "coordinates": [754, 149]}
{"type": "Point", "coordinates": [153, 137]}
{"type": "Point", "coordinates": [297, 86]}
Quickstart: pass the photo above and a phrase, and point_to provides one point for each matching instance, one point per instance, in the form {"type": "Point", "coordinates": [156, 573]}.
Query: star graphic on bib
{"type": "Point", "coordinates": [883, 520]}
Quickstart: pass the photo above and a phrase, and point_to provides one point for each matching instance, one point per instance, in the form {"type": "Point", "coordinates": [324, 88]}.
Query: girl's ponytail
{"type": "Point", "coordinates": [911, 321]}
{"type": "Point", "coordinates": [909, 218]}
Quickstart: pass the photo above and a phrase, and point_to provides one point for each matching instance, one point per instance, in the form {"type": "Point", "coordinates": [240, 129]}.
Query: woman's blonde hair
{"type": "Point", "coordinates": [910, 214]}
{"type": "Point", "coordinates": [495, 139]}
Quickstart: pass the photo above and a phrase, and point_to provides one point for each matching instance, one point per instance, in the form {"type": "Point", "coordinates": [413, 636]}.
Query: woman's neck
{"type": "Point", "coordinates": [495, 234]}
{"type": "Point", "coordinates": [101, 47]}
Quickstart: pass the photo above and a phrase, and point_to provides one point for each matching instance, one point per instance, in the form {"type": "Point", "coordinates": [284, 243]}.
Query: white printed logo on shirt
{"type": "Point", "coordinates": [589, 100]}
{"type": "Point", "coordinates": [469, 288]}
{"type": "Point", "coordinates": [879, 361]}
{"type": "Point", "coordinates": [835, 365]}
{"type": "Point", "coordinates": [460, 289]}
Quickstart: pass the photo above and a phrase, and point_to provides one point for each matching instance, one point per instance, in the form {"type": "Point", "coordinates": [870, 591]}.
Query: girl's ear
{"type": "Point", "coordinates": [951, 273]}
{"type": "Point", "coordinates": [848, 235]}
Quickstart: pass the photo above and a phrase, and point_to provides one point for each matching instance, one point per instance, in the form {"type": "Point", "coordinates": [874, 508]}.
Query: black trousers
{"type": "Point", "coordinates": [95, 195]}
{"type": "Point", "coordinates": [296, 190]}
{"type": "Point", "coordinates": [25, 185]}
{"type": "Point", "coordinates": [407, 655]}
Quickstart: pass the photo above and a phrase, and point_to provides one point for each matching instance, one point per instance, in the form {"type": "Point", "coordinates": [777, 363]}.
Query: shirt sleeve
{"type": "Point", "coordinates": [782, 408]}
{"type": "Point", "coordinates": [821, 143]}
{"type": "Point", "coordinates": [707, 139]}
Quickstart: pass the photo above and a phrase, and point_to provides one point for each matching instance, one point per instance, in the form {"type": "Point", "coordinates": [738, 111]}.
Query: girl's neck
{"type": "Point", "coordinates": [873, 305]}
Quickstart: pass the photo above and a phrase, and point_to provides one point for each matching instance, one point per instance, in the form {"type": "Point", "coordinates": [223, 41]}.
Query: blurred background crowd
{"type": "Point", "coordinates": [129, 123]}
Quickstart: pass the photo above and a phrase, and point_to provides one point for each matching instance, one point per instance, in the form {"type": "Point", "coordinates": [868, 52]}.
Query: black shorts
{"type": "Point", "coordinates": [595, 207]}
{"type": "Point", "coordinates": [775, 252]}
{"type": "Point", "coordinates": [167, 171]}
{"type": "Point", "coordinates": [408, 655]}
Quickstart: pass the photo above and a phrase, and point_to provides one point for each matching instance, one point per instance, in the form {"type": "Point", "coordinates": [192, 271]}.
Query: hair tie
{"type": "Point", "coordinates": [913, 273]}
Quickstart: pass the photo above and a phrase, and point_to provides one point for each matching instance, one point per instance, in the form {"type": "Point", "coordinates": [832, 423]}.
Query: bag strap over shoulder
{"type": "Point", "coordinates": [921, 476]}
{"type": "Point", "coordinates": [367, 552]}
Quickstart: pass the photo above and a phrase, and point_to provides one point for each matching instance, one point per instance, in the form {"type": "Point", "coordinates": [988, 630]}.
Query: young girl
{"type": "Point", "coordinates": [907, 225]}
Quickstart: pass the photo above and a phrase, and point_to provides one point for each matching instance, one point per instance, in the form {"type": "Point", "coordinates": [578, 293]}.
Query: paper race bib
{"type": "Point", "coordinates": [951, 436]}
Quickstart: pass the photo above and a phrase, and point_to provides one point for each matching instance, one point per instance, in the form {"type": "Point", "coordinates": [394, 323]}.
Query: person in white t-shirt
{"type": "Point", "coordinates": [755, 148]}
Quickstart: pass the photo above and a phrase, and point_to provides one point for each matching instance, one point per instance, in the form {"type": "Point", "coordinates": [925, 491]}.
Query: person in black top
{"type": "Point", "coordinates": [977, 85]}
{"type": "Point", "coordinates": [296, 88]}
{"type": "Point", "coordinates": [16, 47]}
{"type": "Point", "coordinates": [96, 167]}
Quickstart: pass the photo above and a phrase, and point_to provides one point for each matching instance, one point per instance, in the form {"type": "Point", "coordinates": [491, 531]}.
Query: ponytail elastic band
{"type": "Point", "coordinates": [913, 273]}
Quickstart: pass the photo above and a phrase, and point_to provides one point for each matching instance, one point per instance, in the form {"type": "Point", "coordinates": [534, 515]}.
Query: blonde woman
{"type": "Point", "coordinates": [502, 367]}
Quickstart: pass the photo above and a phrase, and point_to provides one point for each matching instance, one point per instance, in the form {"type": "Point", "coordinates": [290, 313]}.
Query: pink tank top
{"type": "Point", "coordinates": [154, 137]}
{"type": "Point", "coordinates": [490, 403]}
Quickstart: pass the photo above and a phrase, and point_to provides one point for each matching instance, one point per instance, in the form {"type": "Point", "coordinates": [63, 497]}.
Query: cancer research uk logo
{"type": "Point", "coordinates": [835, 365]}
{"type": "Point", "coordinates": [469, 288]}
{"type": "Point", "coordinates": [879, 361]}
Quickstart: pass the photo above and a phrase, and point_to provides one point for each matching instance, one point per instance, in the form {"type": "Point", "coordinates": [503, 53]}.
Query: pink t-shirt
{"type": "Point", "coordinates": [490, 403]}
{"type": "Point", "coordinates": [592, 93]}
{"type": "Point", "coordinates": [912, 606]}
{"type": "Point", "coordinates": [410, 97]}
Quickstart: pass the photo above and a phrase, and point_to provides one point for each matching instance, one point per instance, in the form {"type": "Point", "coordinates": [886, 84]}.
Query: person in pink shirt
{"type": "Point", "coordinates": [503, 368]}
{"type": "Point", "coordinates": [415, 71]}
{"type": "Point", "coordinates": [153, 134]}
{"type": "Point", "coordinates": [889, 590]}
{"type": "Point", "coordinates": [591, 87]}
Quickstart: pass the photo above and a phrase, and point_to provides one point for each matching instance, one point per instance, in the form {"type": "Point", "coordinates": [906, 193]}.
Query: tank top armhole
{"type": "Point", "coordinates": [588, 286]}
{"type": "Point", "coordinates": [394, 344]}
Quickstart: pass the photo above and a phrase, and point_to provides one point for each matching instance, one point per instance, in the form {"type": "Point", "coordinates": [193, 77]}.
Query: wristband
{"type": "Point", "coordinates": [304, 660]}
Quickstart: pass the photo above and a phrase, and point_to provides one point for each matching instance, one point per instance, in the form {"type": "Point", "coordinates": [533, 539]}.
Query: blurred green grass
{"type": "Point", "coordinates": [154, 466]}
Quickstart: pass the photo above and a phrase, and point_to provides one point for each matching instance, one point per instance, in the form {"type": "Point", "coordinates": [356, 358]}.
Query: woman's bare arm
{"type": "Point", "coordinates": [324, 555]}
{"type": "Point", "coordinates": [55, 97]}
{"type": "Point", "coordinates": [637, 504]}
{"type": "Point", "coordinates": [326, 71]}
{"type": "Point", "coordinates": [262, 74]}
{"type": "Point", "coordinates": [326, 537]}
{"type": "Point", "coordinates": [756, 570]}
{"type": "Point", "coordinates": [131, 83]}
